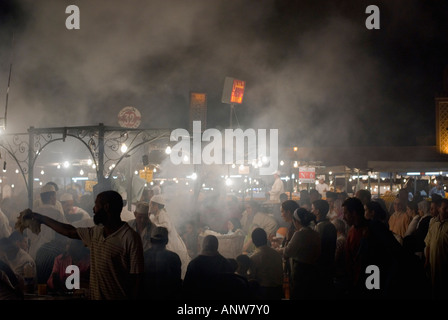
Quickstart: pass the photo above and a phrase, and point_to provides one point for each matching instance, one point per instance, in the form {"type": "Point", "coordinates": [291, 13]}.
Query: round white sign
{"type": "Point", "coordinates": [129, 117]}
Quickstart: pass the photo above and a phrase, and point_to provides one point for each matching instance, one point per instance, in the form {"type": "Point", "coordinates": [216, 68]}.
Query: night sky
{"type": "Point", "coordinates": [312, 68]}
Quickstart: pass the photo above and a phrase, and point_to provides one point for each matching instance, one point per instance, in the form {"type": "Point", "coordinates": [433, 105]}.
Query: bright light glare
{"type": "Point", "coordinates": [168, 150]}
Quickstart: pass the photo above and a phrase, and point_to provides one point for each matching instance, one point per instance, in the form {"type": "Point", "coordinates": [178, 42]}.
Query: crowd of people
{"type": "Point", "coordinates": [334, 246]}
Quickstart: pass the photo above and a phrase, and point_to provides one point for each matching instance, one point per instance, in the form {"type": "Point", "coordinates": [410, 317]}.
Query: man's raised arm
{"type": "Point", "coordinates": [63, 228]}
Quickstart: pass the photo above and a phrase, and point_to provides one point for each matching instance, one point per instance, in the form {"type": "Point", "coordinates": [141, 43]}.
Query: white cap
{"type": "Point", "coordinates": [47, 188]}
{"type": "Point", "coordinates": [66, 197]}
{"type": "Point", "coordinates": [158, 199]}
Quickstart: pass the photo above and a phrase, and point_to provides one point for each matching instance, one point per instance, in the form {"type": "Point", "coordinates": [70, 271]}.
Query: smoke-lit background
{"type": "Point", "coordinates": [312, 69]}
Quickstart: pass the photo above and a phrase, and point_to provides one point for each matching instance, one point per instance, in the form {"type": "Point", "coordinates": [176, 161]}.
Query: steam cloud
{"type": "Point", "coordinates": [312, 68]}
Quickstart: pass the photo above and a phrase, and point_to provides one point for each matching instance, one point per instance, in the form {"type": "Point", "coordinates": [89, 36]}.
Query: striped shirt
{"type": "Point", "coordinates": [112, 260]}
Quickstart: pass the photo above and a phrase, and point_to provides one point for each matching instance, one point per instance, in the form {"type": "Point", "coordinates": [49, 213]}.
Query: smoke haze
{"type": "Point", "coordinates": [312, 69]}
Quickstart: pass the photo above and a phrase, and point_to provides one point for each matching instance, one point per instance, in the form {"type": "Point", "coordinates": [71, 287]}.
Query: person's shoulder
{"type": "Point", "coordinates": [127, 229]}
{"type": "Point", "coordinates": [309, 233]}
{"type": "Point", "coordinates": [172, 255]}
{"type": "Point", "coordinates": [272, 251]}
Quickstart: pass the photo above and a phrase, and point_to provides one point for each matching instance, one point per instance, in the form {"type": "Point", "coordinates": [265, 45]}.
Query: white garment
{"type": "Point", "coordinates": [19, 262]}
{"type": "Point", "coordinates": [5, 228]}
{"type": "Point", "coordinates": [322, 188]}
{"type": "Point", "coordinates": [77, 210]}
{"type": "Point", "coordinates": [83, 223]}
{"type": "Point", "coordinates": [127, 215]}
{"type": "Point", "coordinates": [276, 190]}
{"type": "Point", "coordinates": [46, 233]}
{"type": "Point", "coordinates": [175, 242]}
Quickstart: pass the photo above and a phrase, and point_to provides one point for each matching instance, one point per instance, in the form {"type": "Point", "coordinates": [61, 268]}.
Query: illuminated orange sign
{"type": "Point", "coordinates": [237, 91]}
{"type": "Point", "coordinates": [233, 91]}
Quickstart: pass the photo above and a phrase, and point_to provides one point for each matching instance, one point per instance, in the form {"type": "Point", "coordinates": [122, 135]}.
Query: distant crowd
{"type": "Point", "coordinates": [322, 246]}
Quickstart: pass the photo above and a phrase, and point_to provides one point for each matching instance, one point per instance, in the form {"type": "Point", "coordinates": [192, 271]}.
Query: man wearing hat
{"type": "Point", "coordinates": [277, 188]}
{"type": "Point", "coordinates": [322, 187]}
{"type": "Point", "coordinates": [160, 217]}
{"type": "Point", "coordinates": [49, 208]}
{"type": "Point", "coordinates": [142, 224]}
{"type": "Point", "coordinates": [74, 214]}
{"type": "Point", "coordinates": [163, 268]}
{"type": "Point", "coordinates": [38, 201]}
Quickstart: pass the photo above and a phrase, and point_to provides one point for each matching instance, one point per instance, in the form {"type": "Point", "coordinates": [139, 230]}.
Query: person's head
{"type": "Point", "coordinates": [353, 211]}
{"type": "Point", "coordinates": [287, 209]}
{"type": "Point", "coordinates": [423, 208]}
{"type": "Point", "coordinates": [411, 208]}
{"type": "Point", "coordinates": [141, 213]}
{"type": "Point", "coordinates": [320, 209]}
{"type": "Point", "coordinates": [434, 208]}
{"type": "Point", "coordinates": [156, 204]}
{"type": "Point", "coordinates": [107, 209]}
{"type": "Point", "coordinates": [67, 202]}
{"type": "Point", "coordinates": [341, 226]}
{"type": "Point", "coordinates": [252, 207]}
{"type": "Point", "coordinates": [276, 174]}
{"type": "Point", "coordinates": [8, 249]}
{"type": "Point", "coordinates": [259, 237]}
{"type": "Point", "coordinates": [48, 194]}
{"type": "Point", "coordinates": [364, 195]}
{"type": "Point", "coordinates": [159, 236]}
{"type": "Point", "coordinates": [302, 218]}
{"type": "Point", "coordinates": [54, 184]}
{"type": "Point", "coordinates": [399, 206]}
{"type": "Point", "coordinates": [304, 194]}
{"type": "Point", "coordinates": [283, 197]}
{"type": "Point", "coordinates": [75, 194]}
{"type": "Point", "coordinates": [243, 261]}
{"type": "Point", "coordinates": [19, 239]}
{"type": "Point", "coordinates": [443, 210]}
{"type": "Point", "coordinates": [156, 190]}
{"type": "Point", "coordinates": [331, 197]}
{"type": "Point", "coordinates": [314, 195]}
{"type": "Point", "coordinates": [374, 211]}
{"type": "Point", "coordinates": [342, 195]}
{"type": "Point", "coordinates": [383, 204]}
{"type": "Point", "coordinates": [233, 224]}
{"type": "Point", "coordinates": [210, 245]}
